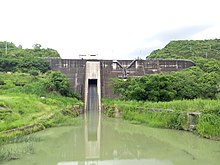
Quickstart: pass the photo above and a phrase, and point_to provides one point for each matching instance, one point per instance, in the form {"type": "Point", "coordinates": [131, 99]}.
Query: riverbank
{"type": "Point", "coordinates": [30, 102]}
{"type": "Point", "coordinates": [119, 142]}
{"type": "Point", "coordinates": [23, 114]}
{"type": "Point", "coordinates": [202, 117]}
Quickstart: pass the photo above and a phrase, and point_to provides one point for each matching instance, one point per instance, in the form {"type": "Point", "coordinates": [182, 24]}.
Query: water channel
{"type": "Point", "coordinates": [103, 141]}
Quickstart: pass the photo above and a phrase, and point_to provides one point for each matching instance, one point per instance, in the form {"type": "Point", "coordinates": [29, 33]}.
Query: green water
{"type": "Point", "coordinates": [103, 141]}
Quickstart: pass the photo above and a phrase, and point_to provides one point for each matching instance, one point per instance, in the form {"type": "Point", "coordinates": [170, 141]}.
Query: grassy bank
{"type": "Point", "coordinates": [32, 103]}
{"type": "Point", "coordinates": [23, 113]}
{"type": "Point", "coordinates": [174, 114]}
{"type": "Point", "coordinates": [29, 102]}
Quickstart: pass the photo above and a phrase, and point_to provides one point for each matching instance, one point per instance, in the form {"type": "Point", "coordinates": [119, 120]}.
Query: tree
{"type": "Point", "coordinates": [32, 63]}
{"type": "Point", "coordinates": [209, 85]}
{"type": "Point", "coordinates": [36, 46]}
{"type": "Point", "coordinates": [150, 87]}
{"type": "Point", "coordinates": [8, 65]}
{"type": "Point", "coordinates": [58, 82]}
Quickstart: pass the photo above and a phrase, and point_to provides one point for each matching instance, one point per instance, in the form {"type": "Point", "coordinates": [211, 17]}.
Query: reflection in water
{"type": "Point", "coordinates": [105, 141]}
{"type": "Point", "coordinates": [92, 127]}
{"type": "Point", "coordinates": [119, 162]}
{"type": "Point", "coordinates": [92, 134]}
{"type": "Point", "coordinates": [93, 145]}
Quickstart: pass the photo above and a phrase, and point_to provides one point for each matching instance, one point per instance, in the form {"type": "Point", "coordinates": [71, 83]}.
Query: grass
{"type": "Point", "coordinates": [17, 146]}
{"type": "Point", "coordinates": [22, 104]}
{"type": "Point", "coordinates": [23, 114]}
{"type": "Point", "coordinates": [26, 107]}
{"type": "Point", "coordinates": [171, 114]}
{"type": "Point", "coordinates": [23, 110]}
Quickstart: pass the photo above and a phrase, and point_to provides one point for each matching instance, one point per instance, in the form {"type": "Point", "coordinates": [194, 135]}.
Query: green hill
{"type": "Point", "coordinates": [186, 49]}
{"type": "Point", "coordinates": [9, 50]}
{"type": "Point", "coordinates": [200, 81]}
{"type": "Point", "coordinates": [32, 97]}
{"type": "Point", "coordinates": [17, 59]}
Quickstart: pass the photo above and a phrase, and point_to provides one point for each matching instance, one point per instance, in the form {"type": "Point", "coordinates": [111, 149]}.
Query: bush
{"type": "Point", "coordinates": [58, 82]}
{"type": "Point", "coordinates": [209, 126]}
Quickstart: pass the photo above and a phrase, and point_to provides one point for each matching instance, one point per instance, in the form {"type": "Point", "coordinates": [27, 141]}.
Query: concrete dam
{"type": "Point", "coordinates": [91, 78]}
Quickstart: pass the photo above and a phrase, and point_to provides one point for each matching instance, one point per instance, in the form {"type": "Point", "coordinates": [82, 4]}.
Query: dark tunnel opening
{"type": "Point", "coordinates": [92, 95]}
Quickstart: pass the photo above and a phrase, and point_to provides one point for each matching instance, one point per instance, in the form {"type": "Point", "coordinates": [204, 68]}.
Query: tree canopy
{"type": "Point", "coordinates": [186, 49]}
{"type": "Point", "coordinates": [200, 81]}
{"type": "Point", "coordinates": [16, 59]}
{"type": "Point", "coordinates": [9, 50]}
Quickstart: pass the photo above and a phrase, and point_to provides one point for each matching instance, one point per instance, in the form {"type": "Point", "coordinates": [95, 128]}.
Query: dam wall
{"type": "Point", "coordinates": [78, 70]}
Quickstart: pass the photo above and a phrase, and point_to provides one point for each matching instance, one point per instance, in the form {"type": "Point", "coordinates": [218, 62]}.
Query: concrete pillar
{"type": "Point", "coordinates": [93, 73]}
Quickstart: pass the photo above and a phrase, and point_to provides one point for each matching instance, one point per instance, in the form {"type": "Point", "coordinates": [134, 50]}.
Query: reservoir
{"type": "Point", "coordinates": [98, 140]}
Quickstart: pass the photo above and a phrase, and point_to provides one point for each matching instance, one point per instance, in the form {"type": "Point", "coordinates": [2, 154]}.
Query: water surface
{"type": "Point", "coordinates": [103, 141]}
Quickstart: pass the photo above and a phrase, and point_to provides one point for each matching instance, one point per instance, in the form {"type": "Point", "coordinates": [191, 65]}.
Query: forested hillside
{"type": "Point", "coordinates": [188, 49]}
{"type": "Point", "coordinates": [8, 49]}
{"type": "Point", "coordinates": [17, 59]}
{"type": "Point", "coordinates": [200, 81]}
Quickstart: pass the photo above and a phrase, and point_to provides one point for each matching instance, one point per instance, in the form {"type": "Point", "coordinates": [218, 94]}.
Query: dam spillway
{"type": "Point", "coordinates": [92, 96]}
{"type": "Point", "coordinates": [92, 86]}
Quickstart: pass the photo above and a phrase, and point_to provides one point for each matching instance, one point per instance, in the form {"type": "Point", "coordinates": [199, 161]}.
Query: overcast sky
{"type": "Point", "coordinates": [113, 29]}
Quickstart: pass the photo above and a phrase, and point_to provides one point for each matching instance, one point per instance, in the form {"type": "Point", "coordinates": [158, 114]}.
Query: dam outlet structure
{"type": "Point", "coordinates": [91, 78]}
{"type": "Point", "coordinates": [92, 96]}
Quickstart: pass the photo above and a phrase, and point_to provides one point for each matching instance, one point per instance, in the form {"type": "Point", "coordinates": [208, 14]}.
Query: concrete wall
{"type": "Point", "coordinates": [75, 70]}
{"type": "Point", "coordinates": [93, 73]}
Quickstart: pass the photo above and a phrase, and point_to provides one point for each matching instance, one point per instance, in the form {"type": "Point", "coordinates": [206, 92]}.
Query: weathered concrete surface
{"type": "Point", "coordinates": [93, 74]}
{"type": "Point", "coordinates": [75, 70]}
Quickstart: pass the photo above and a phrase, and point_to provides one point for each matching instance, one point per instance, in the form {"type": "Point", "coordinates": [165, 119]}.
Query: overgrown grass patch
{"type": "Point", "coordinates": [174, 114]}
{"type": "Point", "coordinates": [22, 114]}
{"type": "Point", "coordinates": [15, 147]}
{"type": "Point", "coordinates": [209, 126]}
{"type": "Point", "coordinates": [28, 110]}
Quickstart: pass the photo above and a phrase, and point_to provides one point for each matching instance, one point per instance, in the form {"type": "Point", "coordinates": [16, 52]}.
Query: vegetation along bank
{"type": "Point", "coordinates": [32, 98]}
{"type": "Point", "coordinates": [187, 100]}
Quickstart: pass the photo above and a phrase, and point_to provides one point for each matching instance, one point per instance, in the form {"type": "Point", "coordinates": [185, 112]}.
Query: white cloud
{"type": "Point", "coordinates": [111, 28]}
